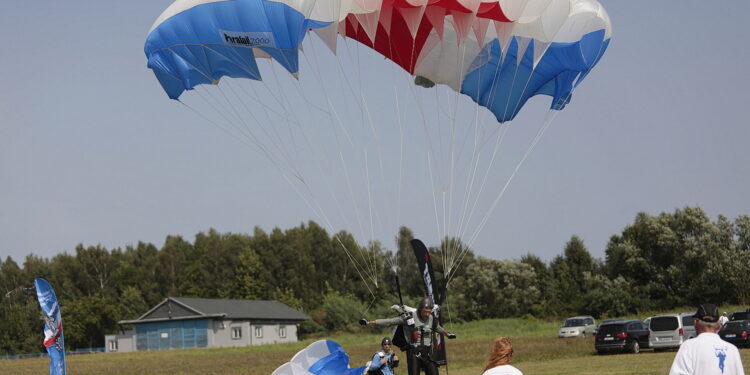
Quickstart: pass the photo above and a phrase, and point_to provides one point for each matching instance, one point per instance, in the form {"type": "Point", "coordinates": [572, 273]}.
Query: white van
{"type": "Point", "coordinates": [670, 330]}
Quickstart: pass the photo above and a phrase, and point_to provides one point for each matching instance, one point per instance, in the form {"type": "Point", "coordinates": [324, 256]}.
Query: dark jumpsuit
{"type": "Point", "coordinates": [419, 338]}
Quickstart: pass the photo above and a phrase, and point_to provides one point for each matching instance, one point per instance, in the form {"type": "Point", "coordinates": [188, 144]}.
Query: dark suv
{"type": "Point", "coordinates": [736, 332]}
{"type": "Point", "coordinates": [740, 315]}
{"type": "Point", "coordinates": [628, 335]}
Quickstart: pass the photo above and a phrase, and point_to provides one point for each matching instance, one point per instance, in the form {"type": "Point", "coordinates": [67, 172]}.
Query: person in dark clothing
{"type": "Point", "coordinates": [418, 328]}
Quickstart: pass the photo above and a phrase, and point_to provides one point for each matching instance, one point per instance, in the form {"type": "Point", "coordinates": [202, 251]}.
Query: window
{"type": "Point", "coordinates": [259, 332]}
{"type": "Point", "coordinates": [687, 320]}
{"type": "Point", "coordinates": [665, 323]}
{"type": "Point", "coordinates": [112, 345]}
{"type": "Point", "coordinates": [236, 333]}
{"type": "Point", "coordinates": [282, 332]}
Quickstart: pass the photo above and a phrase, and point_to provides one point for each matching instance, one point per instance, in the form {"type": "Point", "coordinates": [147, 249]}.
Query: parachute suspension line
{"type": "Point", "coordinates": [430, 150]}
{"type": "Point", "coordinates": [469, 188]}
{"type": "Point", "coordinates": [461, 252]}
{"type": "Point", "coordinates": [295, 120]}
{"type": "Point", "coordinates": [247, 130]}
{"type": "Point", "coordinates": [448, 206]}
{"type": "Point", "coordinates": [498, 142]}
{"type": "Point", "coordinates": [464, 218]}
{"type": "Point", "coordinates": [366, 118]}
{"type": "Point", "coordinates": [345, 79]}
{"type": "Point", "coordinates": [401, 151]}
{"type": "Point", "coordinates": [361, 103]}
{"type": "Point", "coordinates": [240, 120]}
{"type": "Point", "coordinates": [316, 209]}
{"type": "Point", "coordinates": [345, 169]}
{"type": "Point", "coordinates": [448, 217]}
{"type": "Point", "coordinates": [314, 205]}
{"type": "Point", "coordinates": [434, 198]}
{"type": "Point", "coordinates": [548, 120]}
{"type": "Point", "coordinates": [452, 174]}
{"type": "Point", "coordinates": [371, 263]}
{"type": "Point", "coordinates": [320, 213]}
{"type": "Point", "coordinates": [369, 306]}
{"type": "Point", "coordinates": [351, 195]}
{"type": "Point", "coordinates": [258, 145]}
{"type": "Point", "coordinates": [371, 208]}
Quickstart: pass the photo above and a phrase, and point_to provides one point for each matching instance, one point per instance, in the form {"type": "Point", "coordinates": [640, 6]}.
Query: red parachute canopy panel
{"type": "Point", "coordinates": [393, 37]}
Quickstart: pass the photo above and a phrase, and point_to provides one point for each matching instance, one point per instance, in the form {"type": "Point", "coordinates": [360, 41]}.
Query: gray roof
{"type": "Point", "coordinates": [235, 309]}
{"type": "Point", "coordinates": [243, 309]}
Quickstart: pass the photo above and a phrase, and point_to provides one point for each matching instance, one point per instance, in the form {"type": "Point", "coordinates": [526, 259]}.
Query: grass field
{"type": "Point", "coordinates": [537, 351]}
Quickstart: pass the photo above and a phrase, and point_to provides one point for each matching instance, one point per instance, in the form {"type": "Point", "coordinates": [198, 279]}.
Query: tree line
{"type": "Point", "coordinates": [656, 263]}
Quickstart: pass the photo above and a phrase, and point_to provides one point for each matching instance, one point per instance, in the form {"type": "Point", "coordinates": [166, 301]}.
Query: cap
{"type": "Point", "coordinates": [707, 312]}
{"type": "Point", "coordinates": [386, 341]}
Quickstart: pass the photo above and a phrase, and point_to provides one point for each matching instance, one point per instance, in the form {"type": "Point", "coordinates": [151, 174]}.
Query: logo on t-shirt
{"type": "Point", "coordinates": [721, 354]}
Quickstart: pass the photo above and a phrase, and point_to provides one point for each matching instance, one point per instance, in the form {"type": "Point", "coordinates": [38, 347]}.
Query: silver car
{"type": "Point", "coordinates": [577, 326]}
{"type": "Point", "coordinates": [670, 330]}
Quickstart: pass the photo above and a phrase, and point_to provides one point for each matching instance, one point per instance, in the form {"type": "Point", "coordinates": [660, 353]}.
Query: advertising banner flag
{"type": "Point", "coordinates": [53, 327]}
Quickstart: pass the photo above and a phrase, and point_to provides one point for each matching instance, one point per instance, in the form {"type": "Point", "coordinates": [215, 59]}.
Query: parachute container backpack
{"type": "Point", "coordinates": [369, 106]}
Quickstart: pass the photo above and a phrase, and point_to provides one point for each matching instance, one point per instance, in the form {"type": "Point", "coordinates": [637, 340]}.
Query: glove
{"type": "Point", "coordinates": [450, 335]}
{"type": "Point", "coordinates": [363, 322]}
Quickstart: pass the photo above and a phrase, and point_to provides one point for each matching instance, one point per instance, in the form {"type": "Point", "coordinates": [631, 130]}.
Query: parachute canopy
{"type": "Point", "coordinates": [324, 357]}
{"type": "Point", "coordinates": [498, 52]}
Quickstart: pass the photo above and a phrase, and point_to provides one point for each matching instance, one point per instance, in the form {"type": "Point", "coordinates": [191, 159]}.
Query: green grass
{"type": "Point", "coordinates": [537, 351]}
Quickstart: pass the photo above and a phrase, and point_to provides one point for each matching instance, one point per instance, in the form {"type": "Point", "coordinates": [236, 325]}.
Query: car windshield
{"type": "Point", "coordinates": [611, 328]}
{"type": "Point", "coordinates": [664, 323]}
{"type": "Point", "coordinates": [573, 323]}
{"type": "Point", "coordinates": [741, 315]}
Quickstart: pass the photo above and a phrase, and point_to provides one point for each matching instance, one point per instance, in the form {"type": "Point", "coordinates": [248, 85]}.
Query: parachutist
{"type": "Point", "coordinates": [418, 328]}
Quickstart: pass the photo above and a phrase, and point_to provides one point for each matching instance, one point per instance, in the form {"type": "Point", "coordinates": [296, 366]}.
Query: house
{"type": "Point", "coordinates": [178, 323]}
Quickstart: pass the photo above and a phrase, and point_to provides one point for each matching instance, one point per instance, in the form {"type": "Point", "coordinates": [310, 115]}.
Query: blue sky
{"type": "Point", "coordinates": [92, 151]}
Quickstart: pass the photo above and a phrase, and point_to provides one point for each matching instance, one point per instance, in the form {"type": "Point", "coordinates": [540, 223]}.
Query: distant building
{"type": "Point", "coordinates": [178, 323]}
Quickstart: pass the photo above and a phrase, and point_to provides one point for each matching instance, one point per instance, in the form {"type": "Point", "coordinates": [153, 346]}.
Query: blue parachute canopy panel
{"type": "Point", "coordinates": [503, 83]}
{"type": "Point", "coordinates": [203, 43]}
{"type": "Point", "coordinates": [323, 357]}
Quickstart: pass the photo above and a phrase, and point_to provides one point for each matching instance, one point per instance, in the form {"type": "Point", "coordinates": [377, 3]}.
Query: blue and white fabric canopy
{"type": "Point", "coordinates": [324, 357]}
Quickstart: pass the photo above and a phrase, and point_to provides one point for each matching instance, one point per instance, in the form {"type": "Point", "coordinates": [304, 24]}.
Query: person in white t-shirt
{"type": "Point", "coordinates": [707, 353]}
{"type": "Point", "coordinates": [723, 319]}
{"type": "Point", "coordinates": [501, 354]}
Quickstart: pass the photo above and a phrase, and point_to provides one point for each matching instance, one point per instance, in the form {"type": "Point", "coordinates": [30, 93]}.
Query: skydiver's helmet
{"type": "Point", "coordinates": [386, 341]}
{"type": "Point", "coordinates": [426, 303]}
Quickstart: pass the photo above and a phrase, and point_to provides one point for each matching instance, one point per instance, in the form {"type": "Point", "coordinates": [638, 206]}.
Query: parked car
{"type": "Point", "coordinates": [605, 321]}
{"type": "Point", "coordinates": [630, 335]}
{"type": "Point", "coordinates": [669, 330]}
{"type": "Point", "coordinates": [736, 332]}
{"type": "Point", "coordinates": [577, 326]}
{"type": "Point", "coordinates": [740, 315]}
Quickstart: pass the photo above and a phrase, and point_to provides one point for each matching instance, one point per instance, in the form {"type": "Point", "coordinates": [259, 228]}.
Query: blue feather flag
{"type": "Point", "coordinates": [53, 327]}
